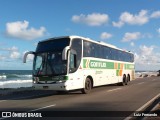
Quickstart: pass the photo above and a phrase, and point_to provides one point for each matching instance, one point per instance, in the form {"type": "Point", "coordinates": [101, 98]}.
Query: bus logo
{"type": "Point", "coordinates": [6, 114]}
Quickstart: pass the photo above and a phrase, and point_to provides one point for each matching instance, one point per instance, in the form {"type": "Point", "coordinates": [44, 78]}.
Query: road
{"type": "Point", "coordinates": [116, 102]}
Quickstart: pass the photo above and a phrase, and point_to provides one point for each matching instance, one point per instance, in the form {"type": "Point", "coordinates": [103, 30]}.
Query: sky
{"type": "Point", "coordinates": [129, 25]}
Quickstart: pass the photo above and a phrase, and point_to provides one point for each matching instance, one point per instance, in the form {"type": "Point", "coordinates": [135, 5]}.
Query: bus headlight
{"type": "Point", "coordinates": [61, 81]}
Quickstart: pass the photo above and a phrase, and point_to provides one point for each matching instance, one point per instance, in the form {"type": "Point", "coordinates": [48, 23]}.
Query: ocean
{"type": "Point", "coordinates": [15, 78]}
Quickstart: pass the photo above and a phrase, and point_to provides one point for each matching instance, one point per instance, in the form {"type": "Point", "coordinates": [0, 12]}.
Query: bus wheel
{"type": "Point", "coordinates": [88, 86]}
{"type": "Point", "coordinates": [128, 79]}
{"type": "Point", "coordinates": [124, 82]}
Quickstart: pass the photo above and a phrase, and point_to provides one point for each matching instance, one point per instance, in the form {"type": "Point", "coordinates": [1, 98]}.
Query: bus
{"type": "Point", "coordinates": [77, 63]}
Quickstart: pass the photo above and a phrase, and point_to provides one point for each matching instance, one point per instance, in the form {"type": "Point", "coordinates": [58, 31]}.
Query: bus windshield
{"type": "Point", "coordinates": [49, 63]}
{"type": "Point", "coordinates": [48, 58]}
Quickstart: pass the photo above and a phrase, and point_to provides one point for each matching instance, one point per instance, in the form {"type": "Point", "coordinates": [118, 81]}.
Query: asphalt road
{"type": "Point", "coordinates": [106, 102]}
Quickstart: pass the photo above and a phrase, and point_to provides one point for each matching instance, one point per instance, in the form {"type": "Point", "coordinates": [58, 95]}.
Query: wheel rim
{"type": "Point", "coordinates": [88, 85]}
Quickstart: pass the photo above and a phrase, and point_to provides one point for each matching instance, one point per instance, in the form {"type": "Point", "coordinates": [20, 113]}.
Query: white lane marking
{"type": "Point", "coordinates": [142, 108]}
{"type": "Point", "coordinates": [42, 108]}
{"type": "Point", "coordinates": [114, 89]}
{"type": "Point", "coordinates": [141, 83]}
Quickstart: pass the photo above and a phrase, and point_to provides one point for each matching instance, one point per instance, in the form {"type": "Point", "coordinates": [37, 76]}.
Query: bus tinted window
{"type": "Point", "coordinates": [53, 45]}
{"type": "Point", "coordinates": [99, 51]}
{"type": "Point", "coordinates": [86, 49]}
{"type": "Point", "coordinates": [77, 46]}
{"type": "Point", "coordinates": [106, 53]}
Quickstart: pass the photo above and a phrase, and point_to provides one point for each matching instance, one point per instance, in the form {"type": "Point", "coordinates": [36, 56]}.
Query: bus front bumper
{"type": "Point", "coordinates": [56, 86]}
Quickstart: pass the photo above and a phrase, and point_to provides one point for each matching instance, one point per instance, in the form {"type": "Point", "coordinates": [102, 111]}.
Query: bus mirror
{"type": "Point", "coordinates": [26, 54]}
{"type": "Point", "coordinates": [64, 53]}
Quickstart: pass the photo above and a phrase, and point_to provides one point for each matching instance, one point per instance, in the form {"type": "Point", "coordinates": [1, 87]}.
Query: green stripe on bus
{"type": "Point", "coordinates": [129, 66]}
{"type": "Point", "coordinates": [96, 64]}
{"type": "Point", "coordinates": [117, 72]}
{"type": "Point", "coordinates": [84, 63]}
{"type": "Point", "coordinates": [101, 64]}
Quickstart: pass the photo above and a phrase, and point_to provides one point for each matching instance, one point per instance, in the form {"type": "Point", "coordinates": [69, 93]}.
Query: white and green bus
{"type": "Point", "coordinates": [78, 63]}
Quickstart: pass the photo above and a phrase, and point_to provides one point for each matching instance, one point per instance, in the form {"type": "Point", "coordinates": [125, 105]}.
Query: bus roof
{"type": "Point", "coordinates": [87, 39]}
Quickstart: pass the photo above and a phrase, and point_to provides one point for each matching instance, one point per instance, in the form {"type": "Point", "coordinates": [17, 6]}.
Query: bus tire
{"type": "Point", "coordinates": [88, 86]}
{"type": "Point", "coordinates": [124, 81]}
{"type": "Point", "coordinates": [128, 79]}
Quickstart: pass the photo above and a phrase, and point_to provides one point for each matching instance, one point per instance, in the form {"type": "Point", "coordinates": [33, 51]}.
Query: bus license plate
{"type": "Point", "coordinates": [45, 87]}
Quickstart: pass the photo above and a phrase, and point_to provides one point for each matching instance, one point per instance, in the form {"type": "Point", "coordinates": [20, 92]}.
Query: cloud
{"type": "Point", "coordinates": [131, 36]}
{"type": "Point", "coordinates": [128, 18]}
{"type": "Point", "coordinates": [132, 44]}
{"type": "Point", "coordinates": [144, 50]}
{"type": "Point", "coordinates": [20, 30]}
{"type": "Point", "coordinates": [94, 19]}
{"type": "Point", "coordinates": [118, 24]}
{"type": "Point", "coordinates": [13, 48]}
{"type": "Point", "coordinates": [9, 49]}
{"type": "Point", "coordinates": [155, 14]}
{"type": "Point", "coordinates": [147, 58]}
{"type": "Point", "coordinates": [2, 57]}
{"type": "Point", "coordinates": [105, 35]}
{"type": "Point", "coordinates": [135, 19]}
{"type": "Point", "coordinates": [15, 55]}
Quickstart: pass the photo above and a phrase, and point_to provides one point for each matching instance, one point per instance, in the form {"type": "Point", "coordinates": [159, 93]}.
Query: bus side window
{"type": "Point", "coordinates": [86, 49]}
{"type": "Point", "coordinates": [106, 52]}
{"type": "Point", "coordinates": [72, 61]}
{"type": "Point", "coordinates": [75, 54]}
